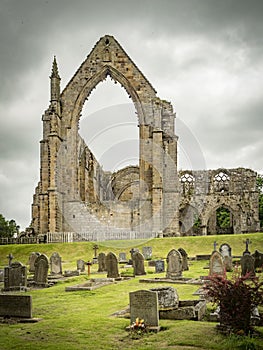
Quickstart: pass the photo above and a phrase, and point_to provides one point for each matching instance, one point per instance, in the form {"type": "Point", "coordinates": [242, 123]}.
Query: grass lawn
{"type": "Point", "coordinates": [84, 319]}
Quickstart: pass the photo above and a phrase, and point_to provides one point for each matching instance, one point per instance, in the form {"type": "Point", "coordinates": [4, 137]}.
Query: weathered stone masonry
{"type": "Point", "coordinates": [74, 194]}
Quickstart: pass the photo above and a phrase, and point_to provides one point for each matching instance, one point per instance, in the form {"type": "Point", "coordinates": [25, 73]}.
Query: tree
{"type": "Point", "coordinates": [260, 189]}
{"type": "Point", "coordinates": [8, 228]}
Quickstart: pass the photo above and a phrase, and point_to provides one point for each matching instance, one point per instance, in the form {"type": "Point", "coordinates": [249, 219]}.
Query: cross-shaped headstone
{"type": "Point", "coordinates": [10, 257]}
{"type": "Point", "coordinates": [247, 242]}
{"type": "Point", "coordinates": [95, 248]}
{"type": "Point", "coordinates": [215, 245]}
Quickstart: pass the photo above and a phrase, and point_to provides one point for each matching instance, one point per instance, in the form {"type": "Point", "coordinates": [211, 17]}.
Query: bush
{"type": "Point", "coordinates": [236, 299]}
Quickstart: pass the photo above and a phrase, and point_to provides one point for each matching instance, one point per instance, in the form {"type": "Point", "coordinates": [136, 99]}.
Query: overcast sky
{"type": "Point", "coordinates": [205, 56]}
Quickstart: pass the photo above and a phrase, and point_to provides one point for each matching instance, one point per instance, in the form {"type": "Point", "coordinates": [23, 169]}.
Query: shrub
{"type": "Point", "coordinates": [236, 299]}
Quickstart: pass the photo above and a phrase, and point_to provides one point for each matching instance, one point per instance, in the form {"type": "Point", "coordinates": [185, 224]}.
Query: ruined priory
{"type": "Point", "coordinates": [75, 195]}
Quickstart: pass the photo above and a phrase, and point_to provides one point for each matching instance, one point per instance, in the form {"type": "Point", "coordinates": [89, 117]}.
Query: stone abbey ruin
{"type": "Point", "coordinates": [77, 198]}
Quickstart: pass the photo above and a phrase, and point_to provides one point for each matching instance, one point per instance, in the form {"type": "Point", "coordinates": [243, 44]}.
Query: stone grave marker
{"type": "Point", "coordinates": [81, 265]}
{"type": "Point", "coordinates": [31, 261]}
{"type": "Point", "coordinates": [174, 264]}
{"type": "Point", "coordinates": [225, 250]}
{"type": "Point", "coordinates": [15, 276]}
{"type": "Point", "coordinates": [258, 256]}
{"type": "Point", "coordinates": [95, 259]}
{"type": "Point", "coordinates": [185, 259]}
{"type": "Point", "coordinates": [147, 252]}
{"type": "Point", "coordinates": [16, 306]}
{"type": "Point", "coordinates": [167, 297]}
{"type": "Point", "coordinates": [102, 262]}
{"type": "Point", "coordinates": [56, 264]}
{"type": "Point", "coordinates": [159, 266]}
{"type": "Point", "coordinates": [41, 270]}
{"type": "Point", "coordinates": [1, 275]}
{"type": "Point", "coordinates": [247, 263]}
{"type": "Point", "coordinates": [216, 265]}
{"type": "Point", "coordinates": [144, 304]}
{"type": "Point", "coordinates": [112, 265]}
{"type": "Point", "coordinates": [138, 264]}
{"type": "Point", "coordinates": [123, 258]}
{"type": "Point", "coordinates": [247, 242]}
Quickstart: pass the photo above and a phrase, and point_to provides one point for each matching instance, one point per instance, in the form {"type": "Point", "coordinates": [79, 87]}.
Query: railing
{"type": "Point", "coordinates": [68, 237]}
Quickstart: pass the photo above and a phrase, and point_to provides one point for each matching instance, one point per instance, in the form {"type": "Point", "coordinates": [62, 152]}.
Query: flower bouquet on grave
{"type": "Point", "coordinates": [138, 327]}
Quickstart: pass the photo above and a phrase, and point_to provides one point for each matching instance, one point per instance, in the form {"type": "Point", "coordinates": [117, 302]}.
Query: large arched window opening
{"type": "Point", "coordinates": [109, 126]}
{"type": "Point", "coordinates": [221, 221]}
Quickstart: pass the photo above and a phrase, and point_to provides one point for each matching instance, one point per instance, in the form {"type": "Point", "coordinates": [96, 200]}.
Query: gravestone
{"type": "Point", "coordinates": [216, 265]}
{"type": "Point", "coordinates": [112, 265]}
{"type": "Point", "coordinates": [167, 297]}
{"type": "Point", "coordinates": [247, 242]}
{"type": "Point", "coordinates": [138, 264]}
{"type": "Point", "coordinates": [55, 264]}
{"type": "Point", "coordinates": [147, 252]}
{"type": "Point", "coordinates": [15, 306]}
{"type": "Point", "coordinates": [174, 264]}
{"type": "Point", "coordinates": [102, 262]}
{"type": "Point", "coordinates": [31, 261]}
{"type": "Point", "coordinates": [81, 265]}
{"type": "Point", "coordinates": [41, 270]}
{"type": "Point", "coordinates": [247, 263]}
{"type": "Point", "coordinates": [159, 266]}
{"type": "Point", "coordinates": [144, 304]}
{"type": "Point", "coordinates": [185, 261]}
{"type": "Point", "coordinates": [1, 275]}
{"type": "Point", "coordinates": [15, 276]}
{"type": "Point", "coordinates": [258, 256]}
{"type": "Point", "coordinates": [225, 250]}
{"type": "Point", "coordinates": [95, 259]}
{"type": "Point", "coordinates": [122, 258]}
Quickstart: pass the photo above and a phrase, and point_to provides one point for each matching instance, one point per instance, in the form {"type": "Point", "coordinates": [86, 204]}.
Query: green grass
{"type": "Point", "coordinates": [83, 319]}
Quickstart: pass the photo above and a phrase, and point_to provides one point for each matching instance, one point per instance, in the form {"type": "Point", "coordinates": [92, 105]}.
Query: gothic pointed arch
{"type": "Point", "coordinates": [73, 193]}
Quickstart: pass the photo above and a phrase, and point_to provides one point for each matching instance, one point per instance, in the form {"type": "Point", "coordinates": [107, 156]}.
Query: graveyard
{"type": "Point", "coordinates": [97, 296]}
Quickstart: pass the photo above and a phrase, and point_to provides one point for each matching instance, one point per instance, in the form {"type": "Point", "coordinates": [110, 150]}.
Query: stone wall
{"type": "Point", "coordinates": [75, 194]}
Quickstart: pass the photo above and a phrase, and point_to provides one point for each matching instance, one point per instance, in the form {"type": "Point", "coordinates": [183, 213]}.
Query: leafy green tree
{"type": "Point", "coordinates": [223, 217]}
{"type": "Point", "coordinates": [260, 189]}
{"type": "Point", "coordinates": [8, 228]}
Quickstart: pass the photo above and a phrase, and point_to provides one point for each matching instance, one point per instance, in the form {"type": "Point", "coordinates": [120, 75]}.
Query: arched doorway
{"type": "Point", "coordinates": [221, 221]}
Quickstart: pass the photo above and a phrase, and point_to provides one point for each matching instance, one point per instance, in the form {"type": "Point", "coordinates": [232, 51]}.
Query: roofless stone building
{"type": "Point", "coordinates": [76, 198]}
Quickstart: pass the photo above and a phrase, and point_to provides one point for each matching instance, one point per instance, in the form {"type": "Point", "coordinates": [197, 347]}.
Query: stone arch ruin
{"type": "Point", "coordinates": [76, 195]}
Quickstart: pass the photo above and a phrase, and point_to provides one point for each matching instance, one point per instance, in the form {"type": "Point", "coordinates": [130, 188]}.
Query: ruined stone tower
{"type": "Point", "coordinates": [74, 193]}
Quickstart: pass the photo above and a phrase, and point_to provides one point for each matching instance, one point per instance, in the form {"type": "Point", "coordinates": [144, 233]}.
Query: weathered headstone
{"type": "Point", "coordinates": [133, 250]}
{"type": "Point", "coordinates": [247, 242]}
{"type": "Point", "coordinates": [147, 252]}
{"type": "Point", "coordinates": [15, 276]}
{"type": "Point", "coordinates": [16, 306]}
{"type": "Point", "coordinates": [185, 259]}
{"type": "Point", "coordinates": [1, 275]}
{"type": "Point", "coordinates": [247, 265]}
{"type": "Point", "coordinates": [167, 297]}
{"type": "Point", "coordinates": [216, 265]}
{"type": "Point", "coordinates": [41, 270]}
{"type": "Point", "coordinates": [174, 264]}
{"type": "Point", "coordinates": [102, 262]}
{"type": "Point", "coordinates": [31, 261]}
{"type": "Point", "coordinates": [81, 265]}
{"type": "Point", "coordinates": [138, 264]}
{"type": "Point", "coordinates": [258, 256]}
{"type": "Point", "coordinates": [159, 266]}
{"type": "Point", "coordinates": [122, 258]}
{"type": "Point", "coordinates": [225, 250]}
{"type": "Point", "coordinates": [95, 259]}
{"type": "Point", "coordinates": [55, 264]}
{"type": "Point", "coordinates": [112, 265]}
{"type": "Point", "coordinates": [144, 304]}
